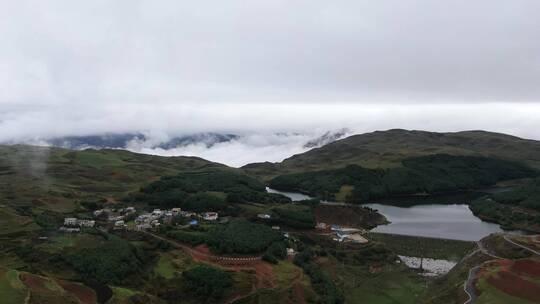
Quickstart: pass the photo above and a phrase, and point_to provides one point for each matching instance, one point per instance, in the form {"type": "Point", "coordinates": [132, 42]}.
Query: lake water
{"type": "Point", "coordinates": [450, 221]}
{"type": "Point", "coordinates": [454, 221]}
{"type": "Point", "coordinates": [292, 195]}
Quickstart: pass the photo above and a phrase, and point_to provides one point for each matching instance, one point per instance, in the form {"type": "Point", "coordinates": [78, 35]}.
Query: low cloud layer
{"type": "Point", "coordinates": [178, 67]}
{"type": "Point", "coordinates": [244, 150]}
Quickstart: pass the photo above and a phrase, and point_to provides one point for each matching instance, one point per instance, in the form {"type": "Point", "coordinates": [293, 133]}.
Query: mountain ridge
{"type": "Point", "coordinates": [386, 149]}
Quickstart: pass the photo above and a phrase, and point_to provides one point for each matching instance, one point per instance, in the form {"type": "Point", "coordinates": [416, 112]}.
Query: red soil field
{"type": "Point", "coordinates": [83, 293]}
{"type": "Point", "coordinates": [528, 267]}
{"type": "Point", "coordinates": [515, 285]}
{"type": "Point", "coordinates": [33, 282]}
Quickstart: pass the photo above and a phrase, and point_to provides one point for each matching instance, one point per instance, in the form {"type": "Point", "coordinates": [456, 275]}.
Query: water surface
{"type": "Point", "coordinates": [454, 221]}
{"type": "Point", "coordinates": [444, 217]}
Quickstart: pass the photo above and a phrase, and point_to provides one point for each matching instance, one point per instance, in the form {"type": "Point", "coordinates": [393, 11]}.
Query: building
{"type": "Point", "coordinates": [321, 226]}
{"type": "Point", "coordinates": [263, 216]}
{"type": "Point", "coordinates": [176, 211]}
{"type": "Point", "coordinates": [69, 230]}
{"type": "Point", "coordinates": [86, 223]}
{"type": "Point", "coordinates": [335, 227]}
{"type": "Point", "coordinates": [143, 227]}
{"type": "Point", "coordinates": [194, 223]}
{"type": "Point", "coordinates": [187, 214]}
{"type": "Point", "coordinates": [130, 209]}
{"type": "Point", "coordinates": [70, 221]}
{"type": "Point", "coordinates": [356, 238]}
{"type": "Point", "coordinates": [119, 224]}
{"type": "Point", "coordinates": [210, 216]}
{"type": "Point", "coordinates": [115, 218]}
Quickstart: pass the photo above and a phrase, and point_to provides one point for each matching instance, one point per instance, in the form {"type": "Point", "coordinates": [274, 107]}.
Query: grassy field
{"type": "Point", "coordinates": [12, 290]}
{"type": "Point", "coordinates": [391, 283]}
{"type": "Point", "coordinates": [165, 267]}
{"type": "Point", "coordinates": [433, 248]}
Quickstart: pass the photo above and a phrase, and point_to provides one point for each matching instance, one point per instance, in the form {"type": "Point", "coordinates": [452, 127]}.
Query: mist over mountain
{"type": "Point", "coordinates": [127, 140]}
{"type": "Point", "coordinates": [327, 138]}
{"type": "Point", "coordinates": [231, 149]}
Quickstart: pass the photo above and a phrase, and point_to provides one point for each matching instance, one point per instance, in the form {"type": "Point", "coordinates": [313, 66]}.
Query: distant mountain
{"type": "Point", "coordinates": [326, 138]}
{"type": "Point", "coordinates": [122, 141]}
{"type": "Point", "coordinates": [383, 149]}
{"type": "Point", "coordinates": [113, 141]}
{"type": "Point", "coordinates": [208, 139]}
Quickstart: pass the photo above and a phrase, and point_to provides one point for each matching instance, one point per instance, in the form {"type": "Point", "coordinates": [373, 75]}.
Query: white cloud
{"type": "Point", "coordinates": [177, 67]}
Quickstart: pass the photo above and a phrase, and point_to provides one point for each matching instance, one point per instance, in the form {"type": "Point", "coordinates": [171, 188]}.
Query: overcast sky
{"type": "Point", "coordinates": [82, 67]}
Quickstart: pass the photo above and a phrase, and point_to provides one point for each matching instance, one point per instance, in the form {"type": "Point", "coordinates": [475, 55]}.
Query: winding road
{"type": "Point", "coordinates": [468, 286]}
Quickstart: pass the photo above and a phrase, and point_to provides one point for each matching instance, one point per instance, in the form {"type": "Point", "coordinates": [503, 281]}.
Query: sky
{"type": "Point", "coordinates": [265, 66]}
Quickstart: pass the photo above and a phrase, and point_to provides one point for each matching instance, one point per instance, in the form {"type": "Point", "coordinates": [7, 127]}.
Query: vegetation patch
{"type": "Point", "coordinates": [453, 250]}
{"type": "Point", "coordinates": [109, 263]}
{"type": "Point", "coordinates": [241, 236]}
{"type": "Point", "coordinates": [206, 282]}
{"type": "Point", "coordinates": [205, 190]}
{"type": "Point", "coordinates": [518, 208]}
{"type": "Point", "coordinates": [431, 174]}
{"type": "Point", "coordinates": [165, 267]}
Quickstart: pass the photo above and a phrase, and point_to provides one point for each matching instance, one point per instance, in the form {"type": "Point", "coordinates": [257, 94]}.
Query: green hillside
{"type": "Point", "coordinates": [518, 208]}
{"type": "Point", "coordinates": [53, 178]}
{"type": "Point", "coordinates": [439, 173]}
{"type": "Point", "coordinates": [385, 149]}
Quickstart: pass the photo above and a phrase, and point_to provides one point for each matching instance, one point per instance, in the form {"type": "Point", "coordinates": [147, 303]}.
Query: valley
{"type": "Point", "coordinates": [112, 226]}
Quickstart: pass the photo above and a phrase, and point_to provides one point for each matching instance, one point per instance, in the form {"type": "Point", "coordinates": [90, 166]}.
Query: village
{"type": "Point", "coordinates": [129, 219]}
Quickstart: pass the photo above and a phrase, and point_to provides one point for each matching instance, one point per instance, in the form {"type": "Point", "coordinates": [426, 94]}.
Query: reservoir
{"type": "Point", "coordinates": [439, 220]}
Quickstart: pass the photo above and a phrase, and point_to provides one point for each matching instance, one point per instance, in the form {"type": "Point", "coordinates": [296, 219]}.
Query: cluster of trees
{"type": "Point", "coordinates": [321, 282]}
{"type": "Point", "coordinates": [205, 190]}
{"type": "Point", "coordinates": [499, 207]}
{"type": "Point", "coordinates": [106, 264]}
{"type": "Point", "coordinates": [426, 174]}
{"type": "Point", "coordinates": [191, 238]}
{"type": "Point", "coordinates": [300, 219]}
{"type": "Point", "coordinates": [49, 219]}
{"type": "Point", "coordinates": [242, 236]}
{"type": "Point", "coordinates": [276, 251]}
{"type": "Point", "coordinates": [206, 283]}
{"type": "Point", "coordinates": [527, 196]}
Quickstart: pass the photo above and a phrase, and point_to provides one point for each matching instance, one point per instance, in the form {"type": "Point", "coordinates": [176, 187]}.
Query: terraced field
{"type": "Point", "coordinates": [23, 287]}
{"type": "Point", "coordinates": [509, 282]}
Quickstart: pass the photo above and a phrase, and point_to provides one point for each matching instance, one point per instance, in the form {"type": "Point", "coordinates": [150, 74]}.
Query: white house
{"type": "Point", "coordinates": [70, 230]}
{"type": "Point", "coordinates": [86, 223]}
{"type": "Point", "coordinates": [263, 216]}
{"type": "Point", "coordinates": [70, 221]}
{"type": "Point", "coordinates": [321, 225]}
{"type": "Point", "coordinates": [130, 209]}
{"type": "Point", "coordinates": [142, 227]}
{"type": "Point", "coordinates": [119, 224]}
{"type": "Point", "coordinates": [210, 216]}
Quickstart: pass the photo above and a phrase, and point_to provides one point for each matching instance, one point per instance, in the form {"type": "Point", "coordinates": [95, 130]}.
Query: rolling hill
{"type": "Point", "coordinates": [53, 178]}
{"type": "Point", "coordinates": [386, 149]}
